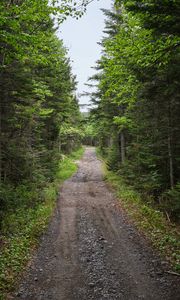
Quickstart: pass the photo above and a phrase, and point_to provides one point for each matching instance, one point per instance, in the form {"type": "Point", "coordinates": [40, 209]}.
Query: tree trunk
{"type": "Point", "coordinates": [171, 169]}
{"type": "Point", "coordinates": [123, 152]}
{"type": "Point", "coordinates": [0, 146]}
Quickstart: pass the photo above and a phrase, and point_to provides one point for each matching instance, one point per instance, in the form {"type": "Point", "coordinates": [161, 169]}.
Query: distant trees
{"type": "Point", "coordinates": [137, 106]}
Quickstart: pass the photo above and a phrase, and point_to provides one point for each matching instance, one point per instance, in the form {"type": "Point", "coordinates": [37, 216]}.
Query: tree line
{"type": "Point", "coordinates": [39, 111]}
{"type": "Point", "coordinates": [136, 112]}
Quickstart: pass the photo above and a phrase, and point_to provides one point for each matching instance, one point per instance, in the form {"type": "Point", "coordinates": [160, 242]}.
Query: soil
{"type": "Point", "coordinates": [92, 251]}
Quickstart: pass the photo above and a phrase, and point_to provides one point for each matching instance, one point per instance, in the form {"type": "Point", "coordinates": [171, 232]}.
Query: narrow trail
{"type": "Point", "coordinates": [91, 251]}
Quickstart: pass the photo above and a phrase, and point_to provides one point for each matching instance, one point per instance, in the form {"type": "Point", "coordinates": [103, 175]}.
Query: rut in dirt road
{"type": "Point", "coordinates": [90, 251]}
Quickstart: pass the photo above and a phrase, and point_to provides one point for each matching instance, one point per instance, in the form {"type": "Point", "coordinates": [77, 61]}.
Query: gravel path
{"type": "Point", "coordinates": [91, 251]}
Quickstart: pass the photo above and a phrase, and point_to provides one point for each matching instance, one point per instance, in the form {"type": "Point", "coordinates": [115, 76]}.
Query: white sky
{"type": "Point", "coordinates": [81, 37]}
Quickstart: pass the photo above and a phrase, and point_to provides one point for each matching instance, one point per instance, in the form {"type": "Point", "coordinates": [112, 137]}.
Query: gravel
{"type": "Point", "coordinates": [92, 251]}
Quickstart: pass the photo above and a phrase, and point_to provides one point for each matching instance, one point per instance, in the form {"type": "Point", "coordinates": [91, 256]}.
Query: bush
{"type": "Point", "coordinates": [170, 202]}
{"type": "Point", "coordinates": [113, 158]}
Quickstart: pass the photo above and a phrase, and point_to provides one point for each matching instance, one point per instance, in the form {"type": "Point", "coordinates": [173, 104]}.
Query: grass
{"type": "Point", "coordinates": [163, 234]}
{"type": "Point", "coordinates": [22, 228]}
{"type": "Point", "coordinates": [67, 166]}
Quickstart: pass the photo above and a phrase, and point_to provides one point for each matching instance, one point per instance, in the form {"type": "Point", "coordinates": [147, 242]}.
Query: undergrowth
{"type": "Point", "coordinates": [22, 227]}
{"type": "Point", "coordinates": [163, 234]}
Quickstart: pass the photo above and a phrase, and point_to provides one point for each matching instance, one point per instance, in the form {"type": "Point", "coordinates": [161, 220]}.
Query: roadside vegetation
{"type": "Point", "coordinates": [151, 221]}
{"type": "Point", "coordinates": [22, 227]}
{"type": "Point", "coordinates": [137, 101]}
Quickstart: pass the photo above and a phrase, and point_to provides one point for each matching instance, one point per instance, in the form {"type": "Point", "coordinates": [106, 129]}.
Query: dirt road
{"type": "Point", "coordinates": [91, 251]}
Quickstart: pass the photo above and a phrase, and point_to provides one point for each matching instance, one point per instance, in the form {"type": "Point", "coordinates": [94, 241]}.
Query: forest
{"type": "Point", "coordinates": [136, 97]}
{"type": "Point", "coordinates": [39, 111]}
{"type": "Point", "coordinates": [134, 120]}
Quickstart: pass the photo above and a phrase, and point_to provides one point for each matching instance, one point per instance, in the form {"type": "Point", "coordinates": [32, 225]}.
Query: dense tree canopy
{"type": "Point", "coordinates": [39, 110]}
{"type": "Point", "coordinates": [137, 102]}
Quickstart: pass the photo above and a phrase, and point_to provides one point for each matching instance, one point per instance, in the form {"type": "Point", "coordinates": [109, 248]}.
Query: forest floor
{"type": "Point", "coordinates": [92, 251]}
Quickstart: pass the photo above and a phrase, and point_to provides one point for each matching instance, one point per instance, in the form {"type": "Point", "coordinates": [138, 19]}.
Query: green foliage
{"type": "Point", "coordinates": [123, 122]}
{"type": "Point", "coordinates": [39, 111]}
{"type": "Point", "coordinates": [20, 231]}
{"type": "Point", "coordinates": [170, 201]}
{"type": "Point", "coordinates": [70, 137]}
{"type": "Point", "coordinates": [89, 134]}
{"type": "Point", "coordinates": [67, 166]}
{"type": "Point", "coordinates": [113, 156]}
{"type": "Point", "coordinates": [75, 155]}
{"type": "Point", "coordinates": [137, 100]}
{"type": "Point", "coordinates": [66, 172]}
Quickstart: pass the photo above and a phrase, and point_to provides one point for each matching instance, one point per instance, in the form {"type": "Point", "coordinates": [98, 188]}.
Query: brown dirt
{"type": "Point", "coordinates": [91, 251]}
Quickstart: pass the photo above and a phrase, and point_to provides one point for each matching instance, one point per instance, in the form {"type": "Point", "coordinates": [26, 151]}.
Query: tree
{"type": "Point", "coordinates": [138, 105]}
{"type": "Point", "coordinates": [37, 94]}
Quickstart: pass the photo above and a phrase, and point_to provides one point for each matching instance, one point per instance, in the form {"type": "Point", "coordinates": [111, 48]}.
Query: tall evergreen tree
{"type": "Point", "coordinates": [37, 94]}
{"type": "Point", "coordinates": [138, 105]}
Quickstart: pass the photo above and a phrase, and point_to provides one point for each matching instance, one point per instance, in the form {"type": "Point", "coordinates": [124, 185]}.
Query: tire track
{"type": "Point", "coordinates": [91, 252]}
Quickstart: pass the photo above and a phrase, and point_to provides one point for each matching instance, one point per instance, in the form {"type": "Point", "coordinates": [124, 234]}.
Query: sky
{"type": "Point", "coordinates": [81, 37]}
